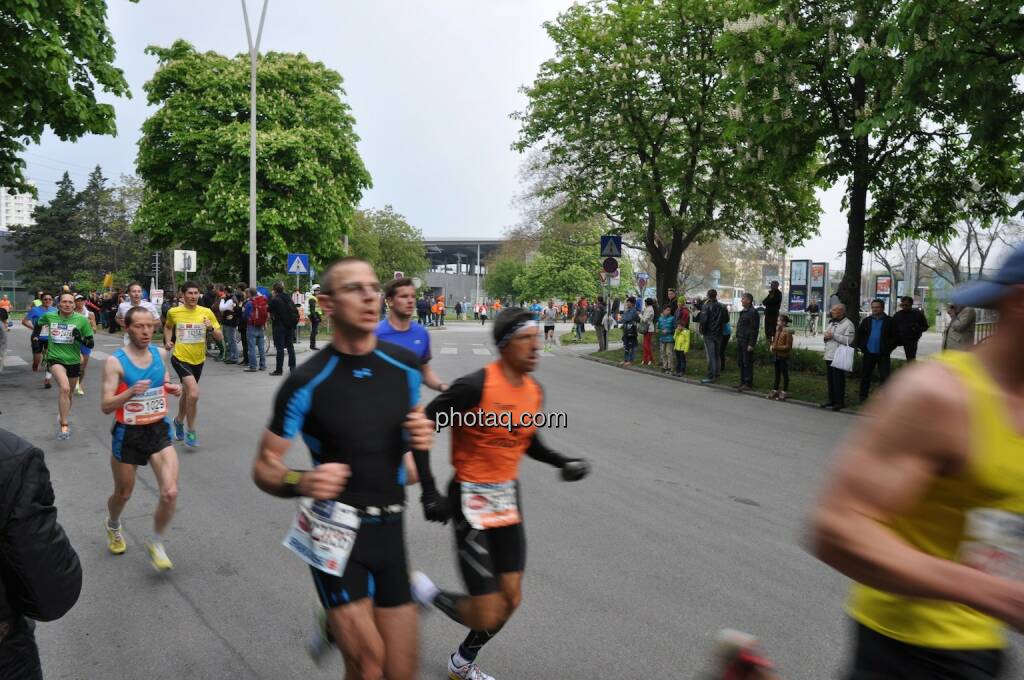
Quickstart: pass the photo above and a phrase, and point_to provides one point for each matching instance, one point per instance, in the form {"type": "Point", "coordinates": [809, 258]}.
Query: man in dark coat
{"type": "Point", "coordinates": [40, 576]}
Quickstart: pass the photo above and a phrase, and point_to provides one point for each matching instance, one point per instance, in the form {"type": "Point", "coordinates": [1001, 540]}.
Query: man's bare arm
{"type": "Point", "coordinates": [325, 482]}
{"type": "Point", "coordinates": [914, 433]}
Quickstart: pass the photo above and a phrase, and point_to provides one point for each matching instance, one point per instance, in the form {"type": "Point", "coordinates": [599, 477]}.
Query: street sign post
{"type": "Point", "coordinates": [298, 263]}
{"type": "Point", "coordinates": [610, 265]}
{"type": "Point", "coordinates": [641, 281]}
{"type": "Point", "coordinates": [611, 245]}
{"type": "Point", "coordinates": [399, 275]}
{"type": "Point", "coordinates": [184, 261]}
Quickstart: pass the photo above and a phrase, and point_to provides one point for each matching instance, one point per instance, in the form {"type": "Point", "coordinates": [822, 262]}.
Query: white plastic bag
{"type": "Point", "coordinates": [843, 358]}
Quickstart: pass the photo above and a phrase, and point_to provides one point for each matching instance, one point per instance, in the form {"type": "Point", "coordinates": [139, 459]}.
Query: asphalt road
{"type": "Point", "coordinates": [691, 522]}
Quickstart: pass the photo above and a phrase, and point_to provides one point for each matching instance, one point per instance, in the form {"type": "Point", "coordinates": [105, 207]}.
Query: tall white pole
{"type": "Point", "coordinates": [477, 274]}
{"type": "Point", "coordinates": [254, 49]}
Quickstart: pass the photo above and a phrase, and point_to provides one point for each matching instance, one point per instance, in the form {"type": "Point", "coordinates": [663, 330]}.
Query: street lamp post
{"type": "Point", "coordinates": [254, 49]}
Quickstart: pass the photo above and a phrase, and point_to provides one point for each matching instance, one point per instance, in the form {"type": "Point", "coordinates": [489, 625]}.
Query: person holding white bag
{"type": "Point", "coordinates": [839, 334]}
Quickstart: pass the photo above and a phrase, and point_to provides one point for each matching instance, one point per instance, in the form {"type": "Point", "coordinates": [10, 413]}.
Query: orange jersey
{"type": "Point", "coordinates": [483, 451]}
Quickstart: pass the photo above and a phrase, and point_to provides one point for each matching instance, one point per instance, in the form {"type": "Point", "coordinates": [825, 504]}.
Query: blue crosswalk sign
{"type": "Point", "coordinates": [298, 263]}
{"type": "Point", "coordinates": [611, 245]}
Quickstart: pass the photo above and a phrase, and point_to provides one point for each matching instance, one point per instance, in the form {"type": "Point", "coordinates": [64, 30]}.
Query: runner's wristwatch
{"type": "Point", "coordinates": [291, 483]}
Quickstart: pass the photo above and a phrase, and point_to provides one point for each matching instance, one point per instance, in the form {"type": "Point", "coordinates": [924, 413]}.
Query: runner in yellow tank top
{"type": "Point", "coordinates": [925, 510]}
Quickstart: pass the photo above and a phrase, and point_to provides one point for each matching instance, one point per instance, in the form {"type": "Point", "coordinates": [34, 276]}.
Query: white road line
{"type": "Point", "coordinates": [482, 350]}
{"type": "Point", "coordinates": [449, 350]}
{"type": "Point", "coordinates": [14, 360]}
{"type": "Point", "coordinates": [99, 354]}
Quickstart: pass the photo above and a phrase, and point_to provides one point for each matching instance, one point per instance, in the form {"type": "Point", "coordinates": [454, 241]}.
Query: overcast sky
{"type": "Point", "coordinates": [431, 85]}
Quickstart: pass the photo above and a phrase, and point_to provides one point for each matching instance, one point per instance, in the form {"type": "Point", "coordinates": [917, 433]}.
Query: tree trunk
{"type": "Point", "coordinates": [849, 286]}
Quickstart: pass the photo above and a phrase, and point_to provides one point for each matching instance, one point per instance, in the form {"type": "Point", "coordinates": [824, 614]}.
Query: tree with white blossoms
{"type": "Point", "coordinates": [632, 110]}
{"type": "Point", "coordinates": [824, 79]}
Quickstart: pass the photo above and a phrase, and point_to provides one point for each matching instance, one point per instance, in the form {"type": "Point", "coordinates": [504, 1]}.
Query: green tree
{"type": "Point", "coordinates": [54, 56]}
{"type": "Point", "coordinates": [194, 159]}
{"type": "Point", "coordinates": [389, 242]}
{"type": "Point", "coordinates": [105, 217]}
{"type": "Point", "coordinates": [51, 248]}
{"type": "Point", "coordinates": [825, 80]}
{"type": "Point", "coordinates": [966, 59]}
{"type": "Point", "coordinates": [632, 112]}
{"type": "Point", "coordinates": [502, 276]}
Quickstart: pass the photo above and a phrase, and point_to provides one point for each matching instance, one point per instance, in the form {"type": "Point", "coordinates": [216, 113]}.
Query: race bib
{"type": "Point", "coordinates": [145, 408]}
{"type": "Point", "coordinates": [61, 334]}
{"type": "Point", "coordinates": [191, 333]}
{"type": "Point", "coordinates": [44, 331]}
{"type": "Point", "coordinates": [994, 543]}
{"type": "Point", "coordinates": [489, 506]}
{"type": "Point", "coordinates": [323, 533]}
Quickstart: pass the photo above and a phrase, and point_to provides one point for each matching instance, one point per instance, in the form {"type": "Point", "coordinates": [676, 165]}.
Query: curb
{"type": "Point", "coordinates": [691, 381]}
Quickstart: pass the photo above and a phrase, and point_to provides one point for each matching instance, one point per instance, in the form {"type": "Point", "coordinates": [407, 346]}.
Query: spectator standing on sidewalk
{"type": "Point", "coordinates": [711, 320]}
{"type": "Point", "coordinates": [597, 312]}
{"type": "Point", "coordinates": [647, 321]}
{"type": "Point", "coordinates": [666, 338]}
{"type": "Point", "coordinates": [314, 315]}
{"type": "Point", "coordinates": [813, 314]}
{"type": "Point", "coordinates": [910, 326]}
{"type": "Point", "coordinates": [630, 328]}
{"type": "Point", "coordinates": [256, 315]}
{"type": "Point", "coordinates": [959, 333]}
{"type": "Point", "coordinates": [284, 318]}
{"type": "Point", "coordinates": [782, 345]}
{"type": "Point", "coordinates": [579, 319]}
{"type": "Point", "coordinates": [839, 331]}
{"type": "Point", "coordinates": [747, 329]}
{"type": "Point", "coordinates": [726, 334]}
{"type": "Point", "coordinates": [876, 338]}
{"type": "Point", "coordinates": [41, 577]}
{"type": "Point", "coordinates": [229, 322]}
{"type": "Point", "coordinates": [772, 304]}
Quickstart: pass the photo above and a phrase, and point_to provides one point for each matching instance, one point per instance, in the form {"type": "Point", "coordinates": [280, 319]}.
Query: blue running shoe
{"type": "Point", "coordinates": [191, 439]}
{"type": "Point", "coordinates": [179, 430]}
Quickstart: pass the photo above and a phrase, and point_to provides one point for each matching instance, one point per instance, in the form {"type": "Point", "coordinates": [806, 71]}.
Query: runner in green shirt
{"type": "Point", "coordinates": [69, 332]}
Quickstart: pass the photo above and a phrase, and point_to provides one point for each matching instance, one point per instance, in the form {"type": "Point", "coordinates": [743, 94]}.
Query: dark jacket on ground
{"type": "Point", "coordinates": [747, 327]}
{"type": "Point", "coordinates": [889, 341]}
{"type": "Point", "coordinates": [40, 576]}
{"type": "Point", "coordinates": [282, 311]}
{"type": "Point", "coordinates": [910, 324]}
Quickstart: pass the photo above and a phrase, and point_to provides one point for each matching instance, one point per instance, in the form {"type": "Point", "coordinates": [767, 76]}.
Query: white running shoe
{"type": "Point", "coordinates": [423, 589]}
{"type": "Point", "coordinates": [468, 672]}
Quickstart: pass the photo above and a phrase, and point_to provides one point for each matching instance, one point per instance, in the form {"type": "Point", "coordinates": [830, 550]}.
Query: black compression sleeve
{"type": "Point", "coordinates": [462, 395]}
{"type": "Point", "coordinates": [539, 451]}
{"type": "Point", "coordinates": [422, 460]}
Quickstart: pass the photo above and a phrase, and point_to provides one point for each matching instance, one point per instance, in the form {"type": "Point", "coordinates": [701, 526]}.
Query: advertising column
{"type": "Point", "coordinates": [798, 273]}
{"type": "Point", "coordinates": [883, 289]}
{"type": "Point", "coordinates": [819, 284]}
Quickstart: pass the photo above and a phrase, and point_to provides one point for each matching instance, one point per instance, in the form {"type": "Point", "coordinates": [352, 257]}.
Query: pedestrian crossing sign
{"type": "Point", "coordinates": [298, 263]}
{"type": "Point", "coordinates": [611, 245]}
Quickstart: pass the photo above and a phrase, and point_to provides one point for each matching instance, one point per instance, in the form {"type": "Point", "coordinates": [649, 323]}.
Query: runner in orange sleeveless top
{"type": "Point", "coordinates": [491, 414]}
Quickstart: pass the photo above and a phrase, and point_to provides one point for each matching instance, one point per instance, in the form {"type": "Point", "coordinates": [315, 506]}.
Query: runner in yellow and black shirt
{"type": "Point", "coordinates": [484, 498]}
{"type": "Point", "coordinates": [185, 337]}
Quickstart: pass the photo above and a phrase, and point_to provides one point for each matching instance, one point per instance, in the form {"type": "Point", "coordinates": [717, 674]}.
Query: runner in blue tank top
{"type": "Point", "coordinates": [136, 386]}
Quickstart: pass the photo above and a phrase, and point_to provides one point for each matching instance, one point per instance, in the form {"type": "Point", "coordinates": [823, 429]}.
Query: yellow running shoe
{"type": "Point", "coordinates": [158, 556]}
{"type": "Point", "coordinates": [115, 540]}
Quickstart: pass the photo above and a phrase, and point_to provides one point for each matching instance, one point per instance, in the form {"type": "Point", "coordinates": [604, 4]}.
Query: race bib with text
{"type": "Point", "coordinates": [148, 407]}
{"type": "Point", "coordinates": [62, 334]}
{"type": "Point", "coordinates": [323, 533]}
{"type": "Point", "coordinates": [994, 542]}
{"type": "Point", "coordinates": [489, 506]}
{"type": "Point", "coordinates": [191, 333]}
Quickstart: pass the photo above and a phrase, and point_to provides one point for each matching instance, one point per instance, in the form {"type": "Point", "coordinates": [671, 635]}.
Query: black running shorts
{"type": "Point", "coordinates": [878, 657]}
{"type": "Point", "coordinates": [39, 345]}
{"type": "Point", "coordinates": [183, 368]}
{"type": "Point", "coordinates": [549, 329]}
{"type": "Point", "coordinates": [482, 554]}
{"type": "Point", "coordinates": [134, 444]}
{"type": "Point", "coordinates": [377, 567]}
{"type": "Point", "coordinates": [72, 370]}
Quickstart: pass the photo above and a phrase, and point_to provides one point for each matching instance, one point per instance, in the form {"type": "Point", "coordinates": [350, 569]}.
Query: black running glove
{"type": "Point", "coordinates": [435, 506]}
{"type": "Point", "coordinates": [575, 469]}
